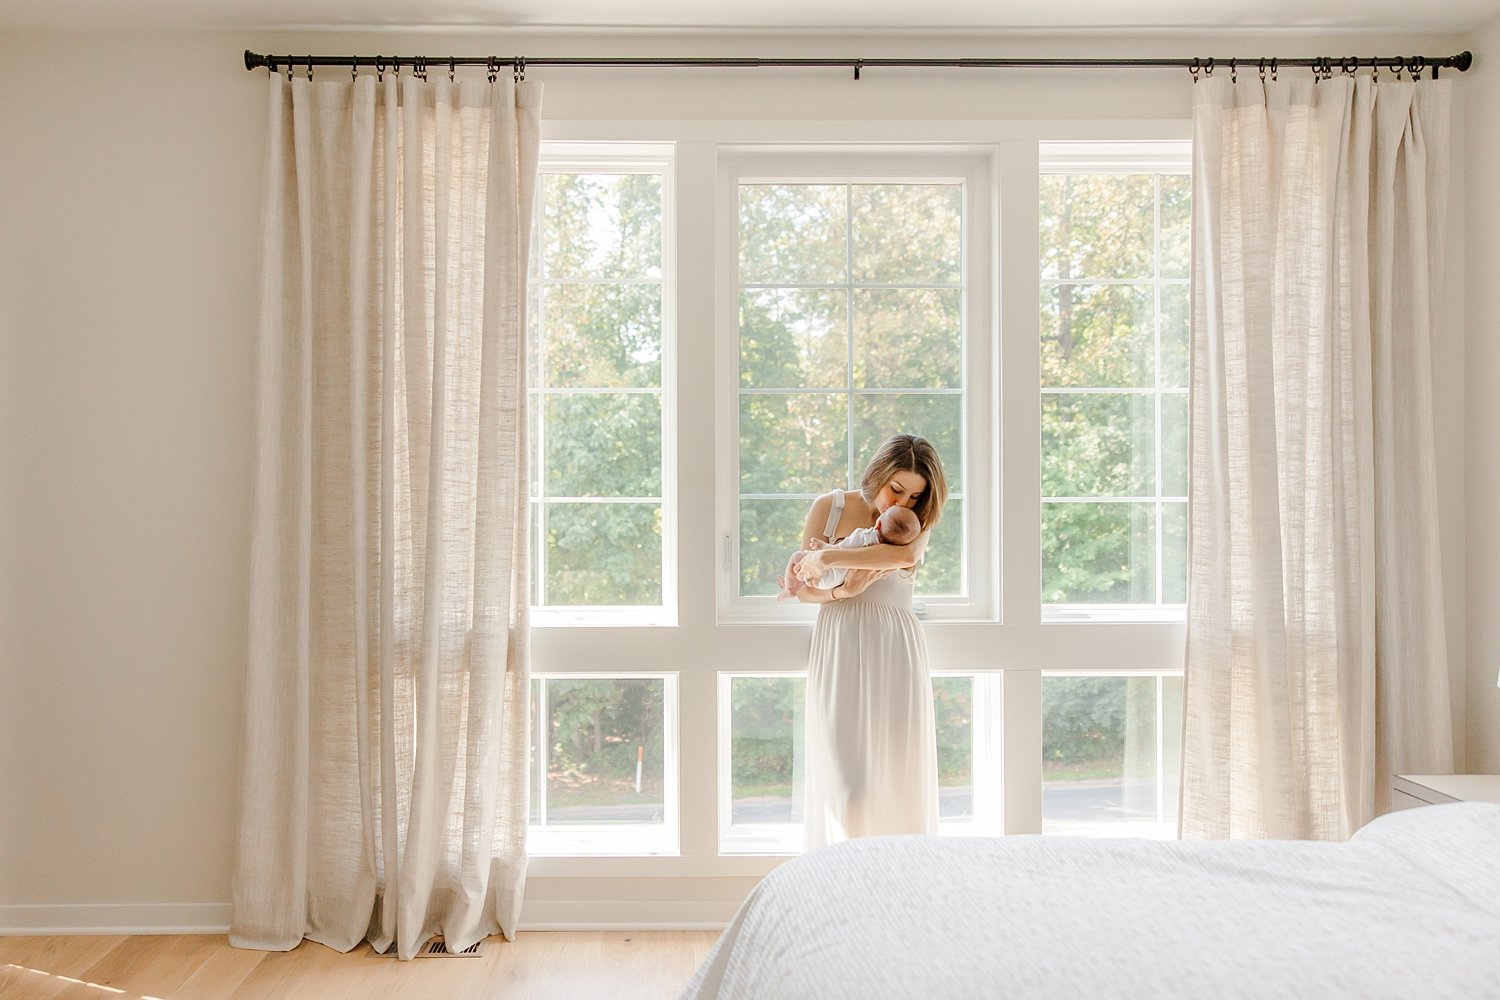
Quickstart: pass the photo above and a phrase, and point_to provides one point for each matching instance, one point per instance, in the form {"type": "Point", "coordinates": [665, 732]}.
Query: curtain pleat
{"type": "Point", "coordinates": [1316, 664]}
{"type": "Point", "coordinates": [384, 790]}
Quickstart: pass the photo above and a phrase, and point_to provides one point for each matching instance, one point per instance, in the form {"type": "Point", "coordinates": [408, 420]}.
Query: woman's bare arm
{"type": "Point", "coordinates": [878, 556]}
{"type": "Point", "coordinates": [853, 585]}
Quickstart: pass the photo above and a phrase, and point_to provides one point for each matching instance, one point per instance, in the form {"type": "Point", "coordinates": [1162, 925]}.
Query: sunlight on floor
{"type": "Point", "coordinates": [81, 982]}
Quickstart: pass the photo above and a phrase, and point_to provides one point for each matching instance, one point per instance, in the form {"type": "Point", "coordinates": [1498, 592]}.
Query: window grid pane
{"type": "Point", "coordinates": [1113, 407]}
{"type": "Point", "coordinates": [596, 404]}
{"type": "Point", "coordinates": [1110, 754]}
{"type": "Point", "coordinates": [850, 300]}
{"type": "Point", "coordinates": [603, 769]}
{"type": "Point", "coordinates": [765, 764]}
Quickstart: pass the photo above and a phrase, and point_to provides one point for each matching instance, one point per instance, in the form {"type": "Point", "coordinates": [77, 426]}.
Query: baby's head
{"type": "Point", "coordinates": [898, 526]}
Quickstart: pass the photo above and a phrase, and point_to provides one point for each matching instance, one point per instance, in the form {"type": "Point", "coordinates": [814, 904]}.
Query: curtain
{"type": "Point", "coordinates": [384, 772]}
{"type": "Point", "coordinates": [1316, 660]}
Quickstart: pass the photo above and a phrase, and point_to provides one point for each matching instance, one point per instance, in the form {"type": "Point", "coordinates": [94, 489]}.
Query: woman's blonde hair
{"type": "Point", "coordinates": [909, 453]}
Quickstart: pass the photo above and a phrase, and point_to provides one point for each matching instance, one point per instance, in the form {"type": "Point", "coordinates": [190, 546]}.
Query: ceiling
{"type": "Point", "coordinates": [1068, 17]}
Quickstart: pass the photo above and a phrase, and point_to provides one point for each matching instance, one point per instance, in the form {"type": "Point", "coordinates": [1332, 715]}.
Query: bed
{"type": "Point", "coordinates": [1409, 907]}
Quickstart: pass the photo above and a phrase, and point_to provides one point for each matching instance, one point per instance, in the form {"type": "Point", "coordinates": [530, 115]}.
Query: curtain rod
{"type": "Point", "coordinates": [1322, 66]}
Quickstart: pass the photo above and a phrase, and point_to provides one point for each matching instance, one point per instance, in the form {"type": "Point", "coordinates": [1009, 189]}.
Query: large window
{"type": "Point", "coordinates": [853, 294]}
{"type": "Point", "coordinates": [1114, 336]}
{"type": "Point", "coordinates": [600, 357]}
{"type": "Point", "coordinates": [828, 295]}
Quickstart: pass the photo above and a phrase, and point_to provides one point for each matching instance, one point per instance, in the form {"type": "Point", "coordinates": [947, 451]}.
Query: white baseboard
{"type": "Point", "coordinates": [213, 918]}
{"type": "Point", "coordinates": [115, 918]}
{"type": "Point", "coordinates": [622, 915]}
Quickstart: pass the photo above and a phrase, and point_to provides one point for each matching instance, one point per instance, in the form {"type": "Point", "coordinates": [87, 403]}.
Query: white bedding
{"type": "Point", "coordinates": [1410, 907]}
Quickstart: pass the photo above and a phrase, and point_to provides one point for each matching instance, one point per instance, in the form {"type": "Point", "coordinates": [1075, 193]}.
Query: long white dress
{"type": "Point", "coordinates": [871, 745]}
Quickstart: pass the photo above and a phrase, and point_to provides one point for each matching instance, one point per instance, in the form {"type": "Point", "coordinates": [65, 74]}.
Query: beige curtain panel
{"type": "Point", "coordinates": [1316, 659]}
{"type": "Point", "coordinates": [384, 790]}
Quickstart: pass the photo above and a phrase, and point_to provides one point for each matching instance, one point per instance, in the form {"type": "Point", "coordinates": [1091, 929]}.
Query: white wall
{"type": "Point", "coordinates": [1482, 416]}
{"type": "Point", "coordinates": [129, 190]}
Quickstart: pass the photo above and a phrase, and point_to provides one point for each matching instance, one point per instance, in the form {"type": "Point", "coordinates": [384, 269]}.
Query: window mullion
{"type": "Point", "coordinates": [849, 331]}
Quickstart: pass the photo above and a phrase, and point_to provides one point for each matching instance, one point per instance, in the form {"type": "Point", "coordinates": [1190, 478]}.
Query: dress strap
{"type": "Point", "coordinates": [835, 513]}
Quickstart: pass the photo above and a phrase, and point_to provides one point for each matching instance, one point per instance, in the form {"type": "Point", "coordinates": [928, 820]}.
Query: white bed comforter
{"type": "Point", "coordinates": [1410, 907]}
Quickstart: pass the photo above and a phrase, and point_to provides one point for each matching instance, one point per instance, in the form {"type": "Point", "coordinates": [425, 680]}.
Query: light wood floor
{"type": "Point", "coordinates": [538, 965]}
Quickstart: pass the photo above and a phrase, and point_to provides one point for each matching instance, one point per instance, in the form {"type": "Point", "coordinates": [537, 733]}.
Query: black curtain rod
{"type": "Point", "coordinates": [1323, 66]}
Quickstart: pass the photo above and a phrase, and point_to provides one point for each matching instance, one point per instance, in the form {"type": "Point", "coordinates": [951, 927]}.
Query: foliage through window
{"type": "Point", "coordinates": [1114, 336]}
{"type": "Point", "coordinates": [850, 329]}
{"type": "Point", "coordinates": [600, 762]}
{"type": "Point", "coordinates": [1111, 748]}
{"type": "Point", "coordinates": [596, 355]}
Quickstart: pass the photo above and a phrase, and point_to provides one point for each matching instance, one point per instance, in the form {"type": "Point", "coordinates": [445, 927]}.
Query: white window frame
{"type": "Point", "coordinates": [639, 158]}
{"type": "Point", "coordinates": [933, 162]}
{"type": "Point", "coordinates": [1158, 830]}
{"type": "Point", "coordinates": [778, 839]}
{"type": "Point", "coordinates": [1006, 652]}
{"type": "Point", "coordinates": [609, 840]}
{"type": "Point", "coordinates": [1140, 157]}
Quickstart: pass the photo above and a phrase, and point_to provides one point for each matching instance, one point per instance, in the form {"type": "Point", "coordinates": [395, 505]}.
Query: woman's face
{"type": "Point", "coordinates": [903, 490]}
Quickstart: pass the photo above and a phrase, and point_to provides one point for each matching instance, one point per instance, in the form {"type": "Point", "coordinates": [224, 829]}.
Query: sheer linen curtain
{"type": "Point", "coordinates": [384, 774]}
{"type": "Point", "coordinates": [1316, 659]}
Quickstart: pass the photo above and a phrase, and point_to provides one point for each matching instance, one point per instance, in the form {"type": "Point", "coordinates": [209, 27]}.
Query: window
{"type": "Point", "coordinates": [1114, 225]}
{"type": "Point", "coordinates": [852, 290]}
{"type": "Point", "coordinates": [760, 800]}
{"type": "Point", "coordinates": [600, 355]}
{"type": "Point", "coordinates": [603, 764]}
{"type": "Point", "coordinates": [1111, 747]}
{"type": "Point", "coordinates": [854, 300]}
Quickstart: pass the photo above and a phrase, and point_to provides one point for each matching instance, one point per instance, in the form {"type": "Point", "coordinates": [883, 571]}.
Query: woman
{"type": "Point", "coordinates": [871, 742]}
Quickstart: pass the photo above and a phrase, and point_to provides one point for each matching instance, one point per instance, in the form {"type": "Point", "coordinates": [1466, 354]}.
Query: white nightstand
{"type": "Point", "coordinates": [1411, 790]}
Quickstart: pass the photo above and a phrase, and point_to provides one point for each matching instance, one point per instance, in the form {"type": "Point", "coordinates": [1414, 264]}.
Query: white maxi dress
{"type": "Point", "coordinates": [871, 745]}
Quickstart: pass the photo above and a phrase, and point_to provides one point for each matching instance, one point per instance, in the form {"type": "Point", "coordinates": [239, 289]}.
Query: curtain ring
{"type": "Point", "coordinates": [1261, 69]}
{"type": "Point", "coordinates": [1374, 70]}
{"type": "Point", "coordinates": [450, 69]}
{"type": "Point", "coordinates": [288, 69]}
{"type": "Point", "coordinates": [1234, 76]}
{"type": "Point", "coordinates": [518, 69]}
{"type": "Point", "coordinates": [1349, 64]}
{"type": "Point", "coordinates": [1275, 62]}
{"type": "Point", "coordinates": [1398, 66]}
{"type": "Point", "coordinates": [309, 69]}
{"type": "Point", "coordinates": [494, 67]}
{"type": "Point", "coordinates": [1208, 67]}
{"type": "Point", "coordinates": [380, 68]}
{"type": "Point", "coordinates": [1194, 67]}
{"type": "Point", "coordinates": [1418, 63]}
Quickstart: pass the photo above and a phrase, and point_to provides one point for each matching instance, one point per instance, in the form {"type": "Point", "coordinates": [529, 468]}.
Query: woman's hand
{"type": "Point", "coordinates": [811, 567]}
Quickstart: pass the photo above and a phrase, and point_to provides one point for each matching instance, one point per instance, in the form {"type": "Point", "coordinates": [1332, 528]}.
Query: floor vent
{"type": "Point", "coordinates": [438, 948]}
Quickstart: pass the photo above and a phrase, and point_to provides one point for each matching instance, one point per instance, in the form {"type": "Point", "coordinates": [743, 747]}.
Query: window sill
{"type": "Point", "coordinates": [1114, 614]}
{"type": "Point", "coordinates": [632, 617]}
{"type": "Point", "coordinates": [647, 842]}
